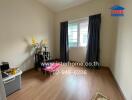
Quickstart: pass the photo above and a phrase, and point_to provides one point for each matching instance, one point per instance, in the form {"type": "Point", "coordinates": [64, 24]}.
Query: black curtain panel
{"type": "Point", "coordinates": [93, 49]}
{"type": "Point", "coordinates": [64, 50]}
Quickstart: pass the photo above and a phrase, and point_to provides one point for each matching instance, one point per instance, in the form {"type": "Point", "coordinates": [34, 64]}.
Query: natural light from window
{"type": "Point", "coordinates": [78, 33]}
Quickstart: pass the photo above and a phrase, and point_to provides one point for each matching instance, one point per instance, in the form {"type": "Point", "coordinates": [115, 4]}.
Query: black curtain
{"type": "Point", "coordinates": [64, 50]}
{"type": "Point", "coordinates": [93, 49]}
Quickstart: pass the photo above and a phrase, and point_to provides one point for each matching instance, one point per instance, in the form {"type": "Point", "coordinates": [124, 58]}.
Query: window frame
{"type": "Point", "coordinates": [78, 22]}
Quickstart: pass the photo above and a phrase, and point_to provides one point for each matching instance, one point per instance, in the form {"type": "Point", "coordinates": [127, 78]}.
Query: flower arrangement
{"type": "Point", "coordinates": [39, 47]}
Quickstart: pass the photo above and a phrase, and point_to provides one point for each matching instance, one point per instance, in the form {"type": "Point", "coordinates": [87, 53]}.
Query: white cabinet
{"type": "Point", "coordinates": [12, 83]}
{"type": "Point", "coordinates": [2, 90]}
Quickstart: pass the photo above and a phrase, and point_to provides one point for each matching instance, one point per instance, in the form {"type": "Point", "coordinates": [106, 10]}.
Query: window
{"type": "Point", "coordinates": [78, 33]}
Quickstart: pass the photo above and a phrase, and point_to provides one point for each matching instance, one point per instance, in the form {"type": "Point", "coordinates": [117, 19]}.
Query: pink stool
{"type": "Point", "coordinates": [52, 68]}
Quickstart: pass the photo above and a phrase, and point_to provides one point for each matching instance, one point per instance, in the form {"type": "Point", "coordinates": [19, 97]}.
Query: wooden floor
{"type": "Point", "coordinates": [35, 86]}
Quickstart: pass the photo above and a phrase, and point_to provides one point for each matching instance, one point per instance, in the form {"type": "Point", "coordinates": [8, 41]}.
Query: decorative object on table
{"type": "Point", "coordinates": [100, 96]}
{"type": "Point", "coordinates": [39, 47]}
{"type": "Point", "coordinates": [13, 71]}
{"type": "Point", "coordinates": [4, 67]}
{"type": "Point", "coordinates": [42, 55]}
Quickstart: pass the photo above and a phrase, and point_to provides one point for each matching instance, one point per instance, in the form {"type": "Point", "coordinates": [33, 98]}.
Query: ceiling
{"type": "Point", "coordinates": [59, 5]}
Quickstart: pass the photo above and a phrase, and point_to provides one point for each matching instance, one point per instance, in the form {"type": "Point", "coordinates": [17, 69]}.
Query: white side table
{"type": "Point", "coordinates": [12, 83]}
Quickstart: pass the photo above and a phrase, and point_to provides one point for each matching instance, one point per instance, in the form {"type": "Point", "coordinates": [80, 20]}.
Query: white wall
{"type": "Point", "coordinates": [20, 20]}
{"type": "Point", "coordinates": [108, 28]}
{"type": "Point", "coordinates": [77, 54]}
{"type": "Point", "coordinates": [122, 66]}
